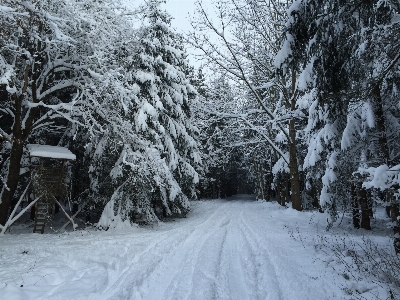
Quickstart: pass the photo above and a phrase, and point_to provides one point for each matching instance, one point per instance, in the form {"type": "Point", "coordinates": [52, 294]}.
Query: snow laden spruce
{"type": "Point", "coordinates": [155, 177]}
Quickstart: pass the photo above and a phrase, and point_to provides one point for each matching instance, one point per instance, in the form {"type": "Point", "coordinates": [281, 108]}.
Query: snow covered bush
{"type": "Point", "coordinates": [364, 261]}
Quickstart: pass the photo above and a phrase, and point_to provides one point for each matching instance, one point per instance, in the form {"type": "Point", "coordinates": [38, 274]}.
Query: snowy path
{"type": "Point", "coordinates": [237, 249]}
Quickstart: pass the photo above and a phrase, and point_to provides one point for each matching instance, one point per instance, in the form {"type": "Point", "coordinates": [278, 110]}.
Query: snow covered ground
{"type": "Point", "coordinates": [232, 249]}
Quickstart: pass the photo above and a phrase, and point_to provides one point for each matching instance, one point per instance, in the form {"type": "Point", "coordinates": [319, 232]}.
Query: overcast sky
{"type": "Point", "coordinates": [180, 10]}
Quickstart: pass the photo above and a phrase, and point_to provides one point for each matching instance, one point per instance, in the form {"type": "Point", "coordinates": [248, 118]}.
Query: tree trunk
{"type": "Point", "coordinates": [394, 212]}
{"type": "Point", "coordinates": [268, 189]}
{"type": "Point", "coordinates": [315, 197]}
{"type": "Point", "coordinates": [8, 191]}
{"type": "Point", "coordinates": [356, 210]}
{"type": "Point", "coordinates": [278, 192]}
{"type": "Point", "coordinates": [258, 179]}
{"type": "Point", "coordinates": [17, 149]}
{"type": "Point", "coordinates": [14, 166]}
{"type": "Point", "coordinates": [294, 169]}
{"type": "Point", "coordinates": [370, 203]}
{"type": "Point", "coordinates": [381, 126]}
{"type": "Point", "coordinates": [365, 218]}
{"type": "Point", "coordinates": [213, 190]}
{"type": "Point", "coordinates": [262, 184]}
{"type": "Point", "coordinates": [287, 188]}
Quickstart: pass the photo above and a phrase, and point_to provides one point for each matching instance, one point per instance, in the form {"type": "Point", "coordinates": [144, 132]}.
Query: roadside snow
{"type": "Point", "coordinates": [235, 249]}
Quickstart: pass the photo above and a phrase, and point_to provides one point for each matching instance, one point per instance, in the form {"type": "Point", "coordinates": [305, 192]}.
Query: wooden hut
{"type": "Point", "coordinates": [49, 180]}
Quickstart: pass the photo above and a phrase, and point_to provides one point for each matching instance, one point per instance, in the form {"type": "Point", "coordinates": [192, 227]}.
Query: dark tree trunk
{"type": "Point", "coordinates": [294, 167]}
{"type": "Point", "coordinates": [365, 218]}
{"type": "Point", "coordinates": [213, 190]}
{"type": "Point", "coordinates": [394, 212]}
{"type": "Point", "coordinates": [388, 208]}
{"type": "Point", "coordinates": [287, 191]}
{"type": "Point", "coordinates": [12, 180]}
{"type": "Point", "coordinates": [278, 192]}
{"type": "Point", "coordinates": [381, 126]}
{"type": "Point", "coordinates": [33, 213]}
{"type": "Point", "coordinates": [17, 149]}
{"type": "Point", "coordinates": [57, 207]}
{"type": "Point", "coordinates": [315, 195]}
{"type": "Point", "coordinates": [19, 137]}
{"type": "Point", "coordinates": [370, 203]}
{"type": "Point", "coordinates": [294, 179]}
{"type": "Point", "coordinates": [356, 211]}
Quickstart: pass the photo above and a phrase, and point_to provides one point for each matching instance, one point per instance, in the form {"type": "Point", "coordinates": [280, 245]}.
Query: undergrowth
{"type": "Point", "coordinates": [362, 262]}
{"type": "Point", "coordinates": [371, 270]}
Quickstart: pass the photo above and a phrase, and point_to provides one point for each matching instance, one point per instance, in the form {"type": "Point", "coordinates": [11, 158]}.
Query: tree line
{"type": "Point", "coordinates": [296, 101]}
{"type": "Point", "coordinates": [313, 102]}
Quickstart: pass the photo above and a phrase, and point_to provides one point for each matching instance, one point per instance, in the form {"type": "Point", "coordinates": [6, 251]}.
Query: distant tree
{"type": "Point", "coordinates": [249, 35]}
{"type": "Point", "coordinates": [216, 136]}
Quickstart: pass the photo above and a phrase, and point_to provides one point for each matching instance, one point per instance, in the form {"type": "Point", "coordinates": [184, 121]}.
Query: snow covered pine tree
{"type": "Point", "coordinates": [156, 181]}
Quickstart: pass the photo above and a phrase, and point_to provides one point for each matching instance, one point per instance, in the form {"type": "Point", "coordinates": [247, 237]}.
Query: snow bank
{"type": "Point", "coordinates": [110, 220]}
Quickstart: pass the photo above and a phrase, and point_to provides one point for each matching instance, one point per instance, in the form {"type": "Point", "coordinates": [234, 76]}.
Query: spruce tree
{"type": "Point", "coordinates": [154, 178]}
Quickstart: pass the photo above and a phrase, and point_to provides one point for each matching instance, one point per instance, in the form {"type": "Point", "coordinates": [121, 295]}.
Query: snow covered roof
{"type": "Point", "coordinates": [50, 152]}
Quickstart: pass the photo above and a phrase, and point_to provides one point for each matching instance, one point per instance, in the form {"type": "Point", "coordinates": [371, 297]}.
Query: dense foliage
{"type": "Point", "coordinates": [316, 103]}
{"type": "Point", "coordinates": [302, 105]}
{"type": "Point", "coordinates": [79, 74]}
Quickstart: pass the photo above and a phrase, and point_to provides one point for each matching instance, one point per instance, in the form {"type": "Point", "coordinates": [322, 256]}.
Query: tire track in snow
{"type": "Point", "coordinates": [282, 254]}
{"type": "Point", "coordinates": [107, 284]}
{"type": "Point", "coordinates": [225, 250]}
{"type": "Point", "coordinates": [231, 280]}
{"type": "Point", "coordinates": [194, 268]}
{"type": "Point", "coordinates": [154, 264]}
{"type": "Point", "coordinates": [267, 283]}
{"type": "Point", "coordinates": [204, 275]}
{"type": "Point", "coordinates": [140, 267]}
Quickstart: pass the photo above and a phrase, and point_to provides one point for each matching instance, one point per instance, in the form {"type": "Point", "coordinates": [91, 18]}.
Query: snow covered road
{"type": "Point", "coordinates": [235, 249]}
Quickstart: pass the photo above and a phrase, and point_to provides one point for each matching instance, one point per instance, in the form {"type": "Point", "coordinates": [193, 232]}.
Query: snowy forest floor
{"type": "Point", "coordinates": [225, 249]}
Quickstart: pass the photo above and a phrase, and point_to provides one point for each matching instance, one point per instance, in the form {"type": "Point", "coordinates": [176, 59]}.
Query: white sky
{"type": "Point", "coordinates": [180, 10]}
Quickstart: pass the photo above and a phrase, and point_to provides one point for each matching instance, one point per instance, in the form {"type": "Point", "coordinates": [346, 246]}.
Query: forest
{"type": "Point", "coordinates": [295, 102]}
{"type": "Point", "coordinates": [302, 104]}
